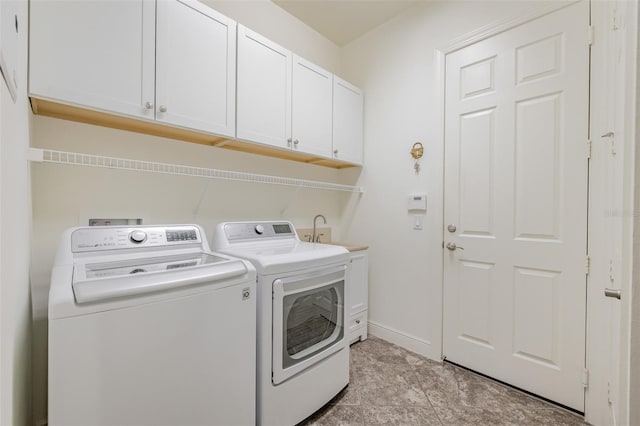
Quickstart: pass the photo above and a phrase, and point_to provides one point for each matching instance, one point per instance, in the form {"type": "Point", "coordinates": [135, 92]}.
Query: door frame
{"type": "Point", "coordinates": [605, 16]}
{"type": "Point", "coordinates": [597, 370]}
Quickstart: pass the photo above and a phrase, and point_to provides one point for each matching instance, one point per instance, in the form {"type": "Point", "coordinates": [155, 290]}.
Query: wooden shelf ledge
{"type": "Point", "coordinates": [99, 118]}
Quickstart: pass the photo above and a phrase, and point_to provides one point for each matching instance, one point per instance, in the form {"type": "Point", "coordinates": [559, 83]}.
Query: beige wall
{"type": "Point", "coordinates": [396, 66]}
{"type": "Point", "coordinates": [66, 196]}
{"type": "Point", "coordinates": [273, 22]}
{"type": "Point", "coordinates": [15, 224]}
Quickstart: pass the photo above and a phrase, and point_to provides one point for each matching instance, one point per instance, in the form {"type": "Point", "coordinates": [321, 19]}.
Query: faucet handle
{"type": "Point", "coordinates": [307, 237]}
{"type": "Point", "coordinates": [318, 237]}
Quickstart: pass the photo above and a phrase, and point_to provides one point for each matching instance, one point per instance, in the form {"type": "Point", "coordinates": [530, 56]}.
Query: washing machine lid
{"type": "Point", "coordinates": [98, 281]}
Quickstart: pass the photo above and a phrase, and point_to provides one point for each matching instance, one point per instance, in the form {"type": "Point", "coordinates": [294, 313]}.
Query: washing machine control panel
{"type": "Point", "coordinates": [115, 237]}
{"type": "Point", "coordinates": [258, 230]}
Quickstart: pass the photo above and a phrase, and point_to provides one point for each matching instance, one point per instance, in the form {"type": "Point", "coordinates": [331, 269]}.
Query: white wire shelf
{"type": "Point", "coordinates": [74, 158]}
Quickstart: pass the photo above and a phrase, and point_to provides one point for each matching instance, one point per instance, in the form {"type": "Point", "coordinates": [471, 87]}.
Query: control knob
{"type": "Point", "coordinates": [259, 229]}
{"type": "Point", "coordinates": [137, 236]}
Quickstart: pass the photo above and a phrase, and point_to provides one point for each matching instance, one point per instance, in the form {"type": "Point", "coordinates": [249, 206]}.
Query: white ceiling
{"type": "Point", "coordinates": [342, 21]}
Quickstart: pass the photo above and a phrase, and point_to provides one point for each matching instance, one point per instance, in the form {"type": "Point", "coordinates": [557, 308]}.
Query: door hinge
{"type": "Point", "coordinates": [587, 265]}
{"type": "Point", "coordinates": [589, 148]}
{"type": "Point", "coordinates": [585, 378]}
{"type": "Point", "coordinates": [591, 35]}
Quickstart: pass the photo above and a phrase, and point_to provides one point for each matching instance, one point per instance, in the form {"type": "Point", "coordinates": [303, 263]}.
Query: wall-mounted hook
{"type": "Point", "coordinates": [416, 152]}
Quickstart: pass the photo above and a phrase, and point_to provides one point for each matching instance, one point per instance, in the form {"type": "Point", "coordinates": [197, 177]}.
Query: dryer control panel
{"type": "Point", "coordinates": [115, 237]}
{"type": "Point", "coordinates": [234, 231]}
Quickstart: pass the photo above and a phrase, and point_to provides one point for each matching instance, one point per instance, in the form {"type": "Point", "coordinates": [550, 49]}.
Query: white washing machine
{"type": "Point", "coordinates": [303, 350]}
{"type": "Point", "coordinates": [148, 327]}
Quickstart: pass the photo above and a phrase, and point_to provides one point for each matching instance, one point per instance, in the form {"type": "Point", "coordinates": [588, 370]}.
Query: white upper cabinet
{"type": "Point", "coordinates": [347, 122]}
{"type": "Point", "coordinates": [283, 100]}
{"type": "Point", "coordinates": [311, 108]}
{"type": "Point", "coordinates": [179, 69]}
{"type": "Point", "coordinates": [264, 90]}
{"type": "Point", "coordinates": [98, 54]}
{"type": "Point", "coordinates": [114, 56]}
{"type": "Point", "coordinates": [195, 67]}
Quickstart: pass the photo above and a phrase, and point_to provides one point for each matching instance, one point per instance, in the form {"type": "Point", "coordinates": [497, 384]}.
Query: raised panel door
{"type": "Point", "coordinates": [516, 123]}
{"type": "Point", "coordinates": [98, 54]}
{"type": "Point", "coordinates": [195, 68]}
{"type": "Point", "coordinates": [264, 90]}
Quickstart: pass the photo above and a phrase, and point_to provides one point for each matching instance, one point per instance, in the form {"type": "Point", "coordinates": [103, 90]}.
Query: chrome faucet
{"type": "Point", "coordinates": [316, 238]}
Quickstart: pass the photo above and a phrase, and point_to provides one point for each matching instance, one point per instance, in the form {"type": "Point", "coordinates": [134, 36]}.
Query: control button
{"type": "Point", "coordinates": [259, 229]}
{"type": "Point", "coordinates": [137, 236]}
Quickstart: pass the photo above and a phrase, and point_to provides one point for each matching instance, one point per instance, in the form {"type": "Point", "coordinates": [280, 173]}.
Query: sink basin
{"type": "Point", "coordinates": [325, 238]}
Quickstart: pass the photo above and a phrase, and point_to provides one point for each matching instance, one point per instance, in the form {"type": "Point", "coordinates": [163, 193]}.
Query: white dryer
{"type": "Point", "coordinates": [148, 327]}
{"type": "Point", "coordinates": [303, 351]}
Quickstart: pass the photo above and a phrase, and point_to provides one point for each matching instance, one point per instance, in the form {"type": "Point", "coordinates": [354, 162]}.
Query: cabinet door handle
{"type": "Point", "coordinates": [335, 152]}
{"type": "Point", "coordinates": [148, 105]}
{"type": "Point", "coordinates": [163, 108]}
{"type": "Point", "coordinates": [289, 141]}
{"type": "Point", "coordinates": [295, 142]}
{"type": "Point", "coordinates": [357, 321]}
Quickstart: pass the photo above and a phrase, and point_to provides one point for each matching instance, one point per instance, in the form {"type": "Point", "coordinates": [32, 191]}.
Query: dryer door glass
{"type": "Point", "coordinates": [308, 320]}
{"type": "Point", "coordinates": [311, 318]}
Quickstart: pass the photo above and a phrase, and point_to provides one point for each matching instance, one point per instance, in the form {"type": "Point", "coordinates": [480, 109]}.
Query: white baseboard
{"type": "Point", "coordinates": [414, 344]}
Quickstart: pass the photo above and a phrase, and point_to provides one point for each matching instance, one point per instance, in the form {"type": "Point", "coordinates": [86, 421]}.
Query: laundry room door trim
{"type": "Point", "coordinates": [611, 217]}
{"type": "Point", "coordinates": [441, 54]}
{"type": "Point", "coordinates": [497, 27]}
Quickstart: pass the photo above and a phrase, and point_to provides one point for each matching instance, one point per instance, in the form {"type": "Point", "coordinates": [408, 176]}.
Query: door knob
{"type": "Point", "coordinates": [451, 228]}
{"type": "Point", "coordinates": [610, 292]}
{"type": "Point", "coordinates": [163, 108]}
{"type": "Point", "coordinates": [453, 246]}
{"type": "Point", "coordinates": [148, 105]}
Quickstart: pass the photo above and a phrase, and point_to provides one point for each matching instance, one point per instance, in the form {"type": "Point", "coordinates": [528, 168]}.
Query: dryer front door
{"type": "Point", "coordinates": [308, 320]}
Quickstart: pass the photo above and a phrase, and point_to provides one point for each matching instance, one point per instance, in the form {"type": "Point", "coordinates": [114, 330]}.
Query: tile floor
{"type": "Point", "coordinates": [392, 386]}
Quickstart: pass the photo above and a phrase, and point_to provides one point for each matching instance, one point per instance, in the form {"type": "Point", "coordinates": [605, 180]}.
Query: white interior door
{"type": "Point", "coordinates": [516, 170]}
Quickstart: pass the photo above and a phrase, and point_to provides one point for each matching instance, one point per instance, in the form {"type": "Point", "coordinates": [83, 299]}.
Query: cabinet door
{"type": "Point", "coordinates": [195, 67]}
{"type": "Point", "coordinates": [264, 90]}
{"type": "Point", "coordinates": [359, 285]}
{"type": "Point", "coordinates": [311, 108]}
{"type": "Point", "coordinates": [347, 122]}
{"type": "Point", "coordinates": [98, 54]}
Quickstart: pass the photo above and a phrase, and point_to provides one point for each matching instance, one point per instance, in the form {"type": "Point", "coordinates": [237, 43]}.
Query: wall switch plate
{"type": "Point", "coordinates": [417, 222]}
